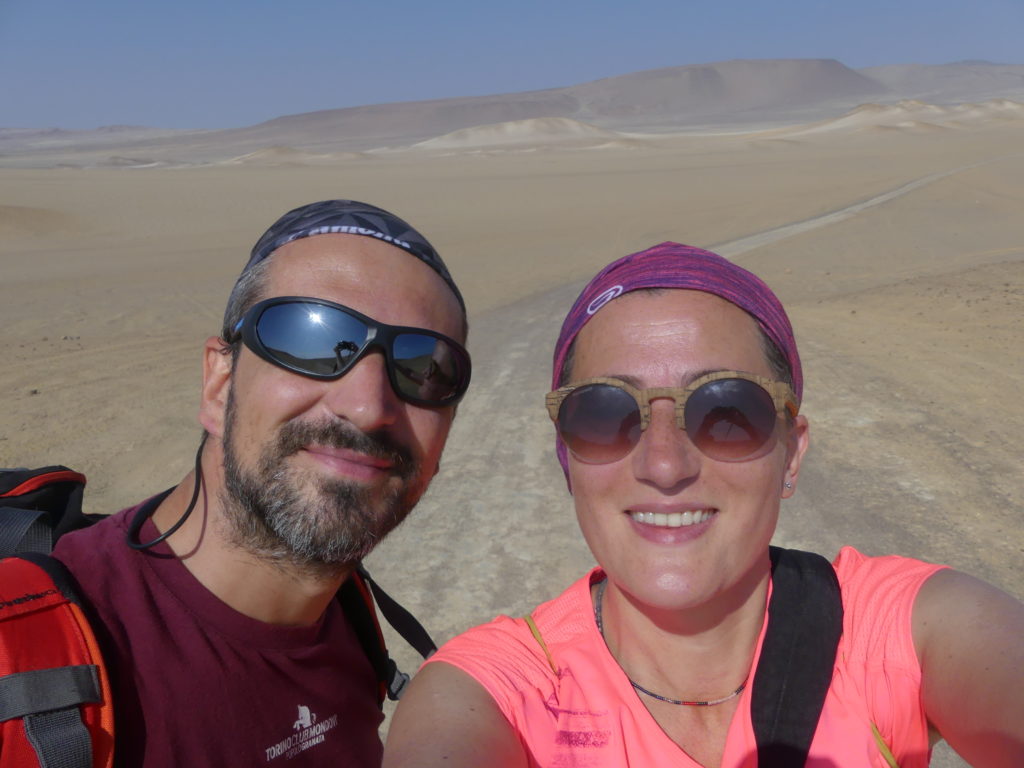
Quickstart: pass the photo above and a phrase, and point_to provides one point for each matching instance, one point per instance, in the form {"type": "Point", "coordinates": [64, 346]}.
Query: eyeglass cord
{"type": "Point", "coordinates": [135, 527]}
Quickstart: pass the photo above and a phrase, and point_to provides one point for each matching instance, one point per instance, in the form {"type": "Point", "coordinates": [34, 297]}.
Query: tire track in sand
{"type": "Point", "coordinates": [732, 248]}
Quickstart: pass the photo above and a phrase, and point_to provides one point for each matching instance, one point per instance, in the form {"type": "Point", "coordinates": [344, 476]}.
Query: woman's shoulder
{"type": "Point", "coordinates": [507, 654]}
{"type": "Point", "coordinates": [878, 601]}
{"type": "Point", "coordinates": [873, 580]}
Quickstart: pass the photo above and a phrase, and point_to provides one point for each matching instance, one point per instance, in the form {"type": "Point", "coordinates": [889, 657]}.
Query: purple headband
{"type": "Point", "coordinates": [671, 265]}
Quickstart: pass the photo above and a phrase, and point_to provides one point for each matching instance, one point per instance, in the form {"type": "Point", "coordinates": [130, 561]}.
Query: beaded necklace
{"type": "Point", "coordinates": [637, 686]}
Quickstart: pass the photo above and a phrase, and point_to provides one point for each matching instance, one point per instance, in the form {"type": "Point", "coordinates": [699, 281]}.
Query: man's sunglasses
{"type": "Point", "coordinates": [728, 415]}
{"type": "Point", "coordinates": [323, 340]}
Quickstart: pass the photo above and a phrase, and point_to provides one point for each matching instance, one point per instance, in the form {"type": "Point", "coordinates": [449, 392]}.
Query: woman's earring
{"type": "Point", "coordinates": [788, 484]}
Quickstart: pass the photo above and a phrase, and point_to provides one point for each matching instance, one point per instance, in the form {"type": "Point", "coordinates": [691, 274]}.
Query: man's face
{"type": "Point", "coordinates": [317, 472]}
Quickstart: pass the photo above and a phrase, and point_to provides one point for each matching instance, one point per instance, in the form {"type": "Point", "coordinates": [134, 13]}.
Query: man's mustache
{"type": "Point", "coordinates": [296, 435]}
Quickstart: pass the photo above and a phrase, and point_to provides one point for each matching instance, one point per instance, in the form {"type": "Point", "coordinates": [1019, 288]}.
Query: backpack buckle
{"type": "Point", "coordinates": [398, 683]}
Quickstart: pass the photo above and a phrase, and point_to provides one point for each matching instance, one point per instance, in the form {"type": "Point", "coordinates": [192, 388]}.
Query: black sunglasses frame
{"type": "Point", "coordinates": [378, 336]}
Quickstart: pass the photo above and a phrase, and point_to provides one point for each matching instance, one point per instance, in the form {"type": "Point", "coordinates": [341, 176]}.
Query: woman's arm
{"type": "Point", "coordinates": [970, 642]}
{"type": "Point", "coordinates": [446, 718]}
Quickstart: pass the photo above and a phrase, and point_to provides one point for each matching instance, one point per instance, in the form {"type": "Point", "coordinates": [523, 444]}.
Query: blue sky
{"type": "Point", "coordinates": [223, 63]}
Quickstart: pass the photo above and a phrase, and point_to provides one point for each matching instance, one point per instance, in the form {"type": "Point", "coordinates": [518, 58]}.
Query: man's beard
{"type": "Point", "coordinates": [301, 519]}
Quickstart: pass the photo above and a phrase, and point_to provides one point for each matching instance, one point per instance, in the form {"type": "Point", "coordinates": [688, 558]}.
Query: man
{"type": "Point", "coordinates": [326, 402]}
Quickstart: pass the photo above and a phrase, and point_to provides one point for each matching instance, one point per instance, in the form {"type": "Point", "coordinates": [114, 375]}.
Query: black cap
{"type": "Point", "coordinates": [352, 218]}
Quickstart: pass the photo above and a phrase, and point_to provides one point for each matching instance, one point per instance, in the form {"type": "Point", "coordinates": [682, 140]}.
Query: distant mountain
{"type": "Point", "coordinates": [721, 90]}
{"type": "Point", "coordinates": [660, 98]}
{"type": "Point", "coordinates": [728, 93]}
{"type": "Point", "coordinates": [951, 83]}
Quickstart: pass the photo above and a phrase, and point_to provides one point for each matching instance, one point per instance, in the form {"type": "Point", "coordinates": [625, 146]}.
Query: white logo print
{"type": "Point", "coordinates": [308, 730]}
{"type": "Point", "coordinates": [305, 718]}
{"type": "Point", "coordinates": [603, 298]}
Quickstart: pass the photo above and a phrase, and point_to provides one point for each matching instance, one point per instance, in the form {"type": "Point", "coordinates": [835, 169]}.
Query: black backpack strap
{"type": "Point", "coordinates": [357, 596]}
{"type": "Point", "coordinates": [794, 672]}
{"type": "Point", "coordinates": [24, 530]}
{"type": "Point", "coordinates": [358, 607]}
{"type": "Point", "coordinates": [37, 506]}
{"type": "Point", "coordinates": [399, 617]}
{"type": "Point", "coordinates": [47, 702]}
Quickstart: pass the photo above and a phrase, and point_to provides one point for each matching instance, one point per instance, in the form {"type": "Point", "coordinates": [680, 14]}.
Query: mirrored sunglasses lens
{"type": "Point", "coordinates": [599, 423]}
{"type": "Point", "coordinates": [427, 368]}
{"type": "Point", "coordinates": [730, 419]}
{"type": "Point", "coordinates": [311, 337]}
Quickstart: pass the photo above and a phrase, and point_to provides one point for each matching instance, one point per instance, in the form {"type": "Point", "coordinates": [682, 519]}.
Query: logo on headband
{"type": "Point", "coordinates": [348, 229]}
{"type": "Point", "coordinates": [603, 298]}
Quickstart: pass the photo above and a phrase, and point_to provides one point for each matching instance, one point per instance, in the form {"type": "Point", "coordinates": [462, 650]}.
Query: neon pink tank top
{"type": "Point", "coordinates": [590, 716]}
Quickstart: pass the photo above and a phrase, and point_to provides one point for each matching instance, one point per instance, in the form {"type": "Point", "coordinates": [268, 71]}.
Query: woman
{"type": "Point", "coordinates": [676, 396]}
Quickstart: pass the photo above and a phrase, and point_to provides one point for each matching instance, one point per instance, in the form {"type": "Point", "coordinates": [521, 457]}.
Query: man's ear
{"type": "Point", "coordinates": [217, 365]}
{"type": "Point", "coordinates": [796, 447]}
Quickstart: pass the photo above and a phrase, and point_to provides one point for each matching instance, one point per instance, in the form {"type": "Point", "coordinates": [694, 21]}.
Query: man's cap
{"type": "Point", "coordinates": [350, 217]}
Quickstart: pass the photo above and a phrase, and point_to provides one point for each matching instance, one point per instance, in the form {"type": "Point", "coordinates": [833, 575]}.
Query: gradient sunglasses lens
{"type": "Point", "coordinates": [599, 423]}
{"type": "Point", "coordinates": [730, 419]}
{"type": "Point", "coordinates": [726, 419]}
{"type": "Point", "coordinates": [323, 341]}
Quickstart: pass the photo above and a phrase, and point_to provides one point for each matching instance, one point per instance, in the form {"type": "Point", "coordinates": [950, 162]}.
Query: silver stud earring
{"type": "Point", "coordinates": [788, 484]}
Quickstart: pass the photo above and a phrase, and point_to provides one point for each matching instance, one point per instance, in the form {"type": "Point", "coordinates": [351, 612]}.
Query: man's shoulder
{"type": "Point", "coordinates": [91, 551]}
{"type": "Point", "coordinates": [97, 534]}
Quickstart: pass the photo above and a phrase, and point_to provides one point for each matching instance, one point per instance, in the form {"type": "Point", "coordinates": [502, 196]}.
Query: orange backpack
{"type": "Point", "coordinates": [55, 704]}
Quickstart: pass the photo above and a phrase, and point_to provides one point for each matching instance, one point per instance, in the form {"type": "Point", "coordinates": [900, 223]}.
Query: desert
{"type": "Point", "coordinates": [888, 221]}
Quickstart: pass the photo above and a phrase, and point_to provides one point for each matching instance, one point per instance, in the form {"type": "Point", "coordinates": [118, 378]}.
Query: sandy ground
{"type": "Point", "coordinates": [908, 304]}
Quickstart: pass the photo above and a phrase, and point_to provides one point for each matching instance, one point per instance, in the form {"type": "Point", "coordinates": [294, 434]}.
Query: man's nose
{"type": "Point", "coordinates": [364, 395]}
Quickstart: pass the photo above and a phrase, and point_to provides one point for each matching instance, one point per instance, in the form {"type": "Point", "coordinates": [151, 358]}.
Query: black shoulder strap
{"type": "Point", "coordinates": [399, 617]}
{"type": "Point", "coordinates": [37, 506]}
{"type": "Point", "coordinates": [805, 622]}
{"type": "Point", "coordinates": [24, 530]}
{"type": "Point", "coordinates": [358, 604]}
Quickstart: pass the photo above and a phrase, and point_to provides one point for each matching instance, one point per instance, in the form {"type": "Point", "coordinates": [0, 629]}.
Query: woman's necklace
{"type": "Point", "coordinates": [652, 694]}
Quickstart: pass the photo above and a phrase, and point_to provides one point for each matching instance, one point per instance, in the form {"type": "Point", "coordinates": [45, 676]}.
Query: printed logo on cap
{"type": "Point", "coordinates": [603, 298]}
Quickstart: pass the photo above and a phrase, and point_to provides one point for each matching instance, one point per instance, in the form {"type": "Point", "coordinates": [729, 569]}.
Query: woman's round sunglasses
{"type": "Point", "coordinates": [323, 340]}
{"type": "Point", "coordinates": [728, 415]}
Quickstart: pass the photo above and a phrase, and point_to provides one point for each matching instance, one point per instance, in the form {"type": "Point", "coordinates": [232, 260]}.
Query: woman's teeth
{"type": "Point", "coordinates": [673, 519]}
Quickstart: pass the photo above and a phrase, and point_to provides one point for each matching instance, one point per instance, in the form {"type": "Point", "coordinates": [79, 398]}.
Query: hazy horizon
{"type": "Point", "coordinates": [199, 66]}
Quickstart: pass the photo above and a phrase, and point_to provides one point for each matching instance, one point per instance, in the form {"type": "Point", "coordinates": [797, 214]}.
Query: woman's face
{"type": "Point", "coordinates": [661, 339]}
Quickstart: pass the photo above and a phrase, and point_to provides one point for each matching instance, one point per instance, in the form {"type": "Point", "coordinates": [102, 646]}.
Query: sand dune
{"type": "Point", "coordinates": [121, 161]}
{"type": "Point", "coordinates": [547, 131]}
{"type": "Point", "coordinates": [913, 115]}
{"type": "Point", "coordinates": [283, 155]}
